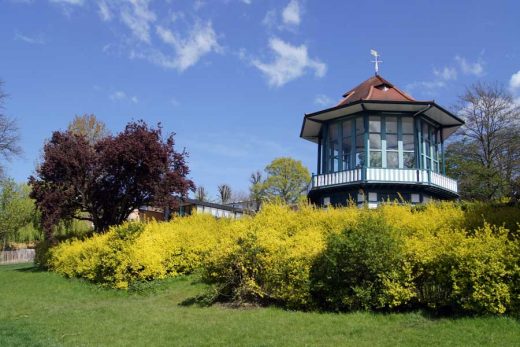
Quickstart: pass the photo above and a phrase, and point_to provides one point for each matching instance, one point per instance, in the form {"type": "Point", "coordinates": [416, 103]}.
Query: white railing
{"type": "Point", "coordinates": [383, 175]}
{"type": "Point", "coordinates": [444, 182]}
{"type": "Point", "coordinates": [334, 178]}
{"type": "Point", "coordinates": [392, 175]}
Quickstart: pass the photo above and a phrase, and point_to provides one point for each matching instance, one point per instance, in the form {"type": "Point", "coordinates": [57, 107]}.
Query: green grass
{"type": "Point", "coordinates": [44, 309]}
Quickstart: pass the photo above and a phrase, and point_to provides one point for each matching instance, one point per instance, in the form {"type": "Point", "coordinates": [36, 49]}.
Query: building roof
{"type": "Point", "coordinates": [375, 88]}
{"type": "Point", "coordinates": [377, 94]}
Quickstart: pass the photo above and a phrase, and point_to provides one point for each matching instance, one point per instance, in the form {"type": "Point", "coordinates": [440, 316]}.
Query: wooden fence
{"type": "Point", "coordinates": [18, 256]}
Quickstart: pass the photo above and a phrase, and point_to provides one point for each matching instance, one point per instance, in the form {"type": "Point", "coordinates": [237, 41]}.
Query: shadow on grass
{"type": "Point", "coordinates": [29, 268]}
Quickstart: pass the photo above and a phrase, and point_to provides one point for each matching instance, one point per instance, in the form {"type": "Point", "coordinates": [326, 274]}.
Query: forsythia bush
{"type": "Point", "coordinates": [443, 256]}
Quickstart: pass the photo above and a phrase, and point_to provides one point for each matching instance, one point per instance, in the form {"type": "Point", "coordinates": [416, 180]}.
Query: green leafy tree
{"type": "Point", "coordinates": [17, 211]}
{"type": "Point", "coordinates": [287, 179]}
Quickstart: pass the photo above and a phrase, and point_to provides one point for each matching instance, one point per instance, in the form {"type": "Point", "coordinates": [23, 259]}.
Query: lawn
{"type": "Point", "coordinates": [44, 309]}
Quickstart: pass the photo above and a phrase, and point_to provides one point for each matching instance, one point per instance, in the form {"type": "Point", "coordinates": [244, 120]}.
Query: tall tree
{"type": "Point", "coordinates": [256, 189]}
{"type": "Point", "coordinates": [9, 134]}
{"type": "Point", "coordinates": [224, 192]}
{"type": "Point", "coordinates": [287, 179]}
{"type": "Point", "coordinates": [200, 194]}
{"type": "Point", "coordinates": [485, 155]}
{"type": "Point", "coordinates": [106, 181]}
{"type": "Point", "coordinates": [90, 127]}
{"type": "Point", "coordinates": [17, 210]}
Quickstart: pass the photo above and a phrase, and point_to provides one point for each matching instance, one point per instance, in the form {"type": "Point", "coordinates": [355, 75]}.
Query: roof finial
{"type": "Point", "coordinates": [376, 61]}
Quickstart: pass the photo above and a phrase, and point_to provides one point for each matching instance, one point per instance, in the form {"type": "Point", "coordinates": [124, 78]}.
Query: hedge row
{"type": "Point", "coordinates": [441, 255]}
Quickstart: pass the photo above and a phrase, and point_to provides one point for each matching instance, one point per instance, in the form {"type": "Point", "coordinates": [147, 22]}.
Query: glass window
{"type": "Point", "coordinates": [407, 124]}
{"type": "Point", "coordinates": [391, 142]}
{"type": "Point", "coordinates": [360, 159]}
{"type": "Point", "coordinates": [375, 124]}
{"type": "Point", "coordinates": [391, 125]}
{"type": "Point", "coordinates": [375, 141]}
{"type": "Point", "coordinates": [408, 160]}
{"type": "Point", "coordinates": [392, 160]}
{"type": "Point", "coordinates": [347, 152]}
{"type": "Point", "coordinates": [360, 125]}
{"type": "Point", "coordinates": [375, 159]}
{"type": "Point", "coordinates": [347, 128]}
{"type": "Point", "coordinates": [408, 142]}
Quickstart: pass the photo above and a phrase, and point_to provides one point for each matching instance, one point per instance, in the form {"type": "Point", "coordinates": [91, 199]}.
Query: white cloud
{"type": "Point", "coordinates": [447, 73]}
{"type": "Point", "coordinates": [33, 40]}
{"type": "Point", "coordinates": [120, 95]}
{"type": "Point", "coordinates": [247, 2]}
{"type": "Point", "coordinates": [200, 41]}
{"type": "Point", "coordinates": [290, 63]}
{"type": "Point", "coordinates": [323, 100]}
{"type": "Point", "coordinates": [291, 13]}
{"type": "Point", "coordinates": [104, 11]}
{"type": "Point", "coordinates": [270, 19]}
{"type": "Point", "coordinates": [69, 2]}
{"type": "Point", "coordinates": [138, 18]}
{"type": "Point", "coordinates": [426, 87]}
{"type": "Point", "coordinates": [514, 82]}
{"type": "Point", "coordinates": [469, 68]}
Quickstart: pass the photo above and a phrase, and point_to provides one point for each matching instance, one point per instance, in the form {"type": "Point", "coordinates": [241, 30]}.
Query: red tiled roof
{"type": "Point", "coordinates": [375, 88]}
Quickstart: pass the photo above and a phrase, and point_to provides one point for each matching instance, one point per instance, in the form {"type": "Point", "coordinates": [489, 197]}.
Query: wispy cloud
{"type": "Point", "coordinates": [469, 68]}
{"type": "Point", "coordinates": [33, 40]}
{"type": "Point", "coordinates": [514, 82]}
{"type": "Point", "coordinates": [104, 11]}
{"type": "Point", "coordinates": [290, 62]}
{"type": "Point", "coordinates": [289, 17]}
{"type": "Point", "coordinates": [291, 13]}
{"type": "Point", "coordinates": [323, 100]}
{"type": "Point", "coordinates": [447, 73]}
{"type": "Point", "coordinates": [138, 17]}
{"type": "Point", "coordinates": [120, 95]}
{"type": "Point", "coordinates": [187, 51]}
{"type": "Point", "coordinates": [69, 2]}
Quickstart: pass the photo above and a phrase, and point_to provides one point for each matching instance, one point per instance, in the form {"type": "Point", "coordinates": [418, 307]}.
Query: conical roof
{"type": "Point", "coordinates": [375, 88]}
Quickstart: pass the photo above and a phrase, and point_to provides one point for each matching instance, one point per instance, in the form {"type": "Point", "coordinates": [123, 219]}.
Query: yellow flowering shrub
{"type": "Point", "coordinates": [462, 256]}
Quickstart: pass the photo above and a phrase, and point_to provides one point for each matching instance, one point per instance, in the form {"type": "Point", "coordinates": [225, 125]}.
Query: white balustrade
{"type": "Point", "coordinates": [443, 181]}
{"type": "Point", "coordinates": [384, 175]}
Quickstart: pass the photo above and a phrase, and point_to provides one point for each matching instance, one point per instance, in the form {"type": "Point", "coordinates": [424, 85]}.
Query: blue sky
{"type": "Point", "coordinates": [233, 78]}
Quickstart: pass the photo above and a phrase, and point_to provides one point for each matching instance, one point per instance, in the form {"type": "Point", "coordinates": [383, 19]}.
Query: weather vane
{"type": "Point", "coordinates": [376, 61]}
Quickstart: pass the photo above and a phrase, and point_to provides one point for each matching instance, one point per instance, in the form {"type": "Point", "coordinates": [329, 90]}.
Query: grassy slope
{"type": "Point", "coordinates": [43, 309]}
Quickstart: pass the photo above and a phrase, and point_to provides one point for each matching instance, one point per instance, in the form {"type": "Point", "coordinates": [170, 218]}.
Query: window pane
{"type": "Point", "coordinates": [346, 161]}
{"type": "Point", "coordinates": [347, 128]}
{"type": "Point", "coordinates": [360, 159]}
{"type": "Point", "coordinates": [391, 125]}
{"type": "Point", "coordinates": [392, 160]}
{"type": "Point", "coordinates": [360, 143]}
{"type": "Point", "coordinates": [375, 124]}
{"type": "Point", "coordinates": [347, 144]}
{"type": "Point", "coordinates": [407, 123]}
{"type": "Point", "coordinates": [409, 160]}
{"type": "Point", "coordinates": [391, 141]}
{"type": "Point", "coordinates": [336, 157]}
{"type": "Point", "coordinates": [408, 142]}
{"type": "Point", "coordinates": [360, 125]}
{"type": "Point", "coordinates": [376, 159]}
{"type": "Point", "coordinates": [375, 141]}
{"type": "Point", "coordinates": [333, 132]}
{"type": "Point", "coordinates": [347, 148]}
{"type": "Point", "coordinates": [425, 131]}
